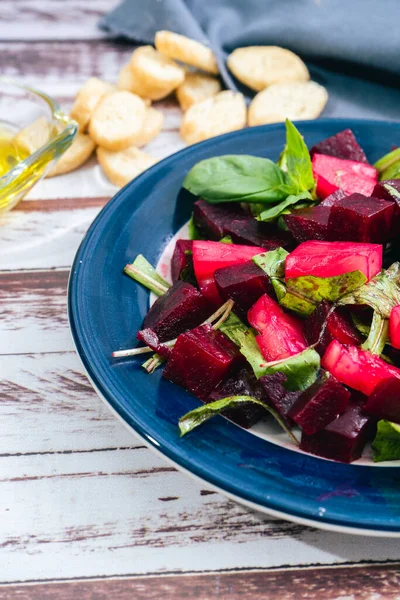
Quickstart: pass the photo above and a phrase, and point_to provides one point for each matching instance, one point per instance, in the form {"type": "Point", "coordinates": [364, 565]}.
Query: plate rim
{"type": "Point", "coordinates": [326, 524]}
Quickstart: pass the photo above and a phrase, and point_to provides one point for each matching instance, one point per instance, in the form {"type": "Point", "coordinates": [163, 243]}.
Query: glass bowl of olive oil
{"type": "Point", "coordinates": [34, 133]}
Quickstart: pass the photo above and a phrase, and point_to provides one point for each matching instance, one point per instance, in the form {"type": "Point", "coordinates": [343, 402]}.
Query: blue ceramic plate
{"type": "Point", "coordinates": [107, 308]}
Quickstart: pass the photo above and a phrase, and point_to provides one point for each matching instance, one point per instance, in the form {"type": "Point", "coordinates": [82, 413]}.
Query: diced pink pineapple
{"type": "Point", "coordinates": [359, 218]}
{"type": "Point", "coordinates": [210, 256]}
{"type": "Point", "coordinates": [281, 334]}
{"type": "Point", "coordinates": [357, 368]}
{"type": "Point", "coordinates": [394, 327]}
{"type": "Point", "coordinates": [351, 176]}
{"type": "Point", "coordinates": [345, 437]}
{"type": "Point", "coordinates": [384, 402]}
{"type": "Point", "coordinates": [327, 259]}
{"type": "Point", "coordinates": [320, 404]}
{"type": "Point", "coordinates": [342, 145]}
{"type": "Point", "coordinates": [200, 360]}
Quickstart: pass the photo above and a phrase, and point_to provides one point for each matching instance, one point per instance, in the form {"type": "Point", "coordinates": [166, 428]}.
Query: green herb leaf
{"type": "Point", "coordinates": [382, 293]}
{"type": "Point", "coordinates": [301, 370]}
{"type": "Point", "coordinates": [244, 337]}
{"type": "Point", "coordinates": [143, 272]}
{"type": "Point", "coordinates": [391, 190]}
{"type": "Point", "coordinates": [227, 239]}
{"type": "Point", "coordinates": [194, 233]}
{"type": "Point", "coordinates": [237, 178]}
{"type": "Point", "coordinates": [272, 213]}
{"type": "Point", "coordinates": [297, 162]}
{"type": "Point", "coordinates": [272, 262]}
{"type": "Point", "coordinates": [303, 294]}
{"type": "Point", "coordinates": [386, 161]}
{"type": "Point", "coordinates": [200, 415]}
{"type": "Point", "coordinates": [362, 327]}
{"type": "Point", "coordinates": [386, 445]}
{"type": "Point", "coordinates": [378, 334]}
{"type": "Point", "coordinates": [392, 172]}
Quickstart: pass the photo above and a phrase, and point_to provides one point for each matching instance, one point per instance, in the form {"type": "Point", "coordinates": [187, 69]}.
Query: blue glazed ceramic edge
{"type": "Point", "coordinates": [303, 511]}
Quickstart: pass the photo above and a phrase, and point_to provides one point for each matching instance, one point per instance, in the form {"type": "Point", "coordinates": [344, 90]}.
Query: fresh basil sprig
{"type": "Point", "coordinates": [251, 179]}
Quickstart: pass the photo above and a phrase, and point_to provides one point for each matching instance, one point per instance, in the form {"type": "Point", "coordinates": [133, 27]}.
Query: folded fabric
{"type": "Point", "coordinates": [350, 46]}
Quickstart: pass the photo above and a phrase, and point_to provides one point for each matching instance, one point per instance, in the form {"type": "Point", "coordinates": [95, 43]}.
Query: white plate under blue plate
{"type": "Point", "coordinates": [107, 308]}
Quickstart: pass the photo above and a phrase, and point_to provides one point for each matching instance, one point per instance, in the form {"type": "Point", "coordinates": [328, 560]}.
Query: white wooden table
{"type": "Point", "coordinates": [86, 511]}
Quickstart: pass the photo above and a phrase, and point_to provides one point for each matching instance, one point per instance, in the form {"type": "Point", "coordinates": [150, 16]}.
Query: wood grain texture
{"type": "Point", "coordinates": [53, 20]}
{"type": "Point", "coordinates": [350, 583]}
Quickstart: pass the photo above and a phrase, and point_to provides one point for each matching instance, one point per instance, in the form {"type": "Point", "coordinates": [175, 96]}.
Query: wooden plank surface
{"type": "Point", "coordinates": [344, 583]}
{"type": "Point", "coordinates": [80, 496]}
{"type": "Point", "coordinates": [52, 19]}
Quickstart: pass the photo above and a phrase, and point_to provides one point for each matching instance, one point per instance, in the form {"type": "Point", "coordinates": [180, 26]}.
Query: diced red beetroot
{"type": "Point", "coordinates": [357, 368]}
{"type": "Point", "coordinates": [332, 173]}
{"type": "Point", "coordinates": [327, 259]}
{"type": "Point", "coordinates": [255, 233]}
{"type": "Point", "coordinates": [342, 145]}
{"type": "Point", "coordinates": [244, 284]}
{"type": "Point", "coordinates": [151, 339]}
{"type": "Point", "coordinates": [200, 360]}
{"type": "Point", "coordinates": [322, 402]}
{"type": "Point", "coordinates": [309, 223]}
{"type": "Point", "coordinates": [277, 397]}
{"type": "Point", "coordinates": [212, 219]}
{"type": "Point", "coordinates": [333, 198]}
{"type": "Point", "coordinates": [210, 256]}
{"type": "Point", "coordinates": [182, 307]}
{"type": "Point", "coordinates": [242, 383]}
{"type": "Point", "coordinates": [394, 326]}
{"type": "Point", "coordinates": [181, 258]}
{"type": "Point", "coordinates": [344, 438]}
{"type": "Point", "coordinates": [359, 218]}
{"type": "Point", "coordinates": [281, 334]}
{"type": "Point", "coordinates": [338, 327]}
{"type": "Point", "coordinates": [390, 190]}
{"type": "Point", "coordinates": [384, 402]}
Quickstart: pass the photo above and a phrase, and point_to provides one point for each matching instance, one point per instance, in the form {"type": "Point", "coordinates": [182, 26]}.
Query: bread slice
{"type": "Point", "coordinates": [294, 101]}
{"type": "Point", "coordinates": [186, 50]}
{"type": "Point", "coordinates": [261, 66]}
{"type": "Point", "coordinates": [117, 120]}
{"type": "Point", "coordinates": [156, 75]}
{"type": "Point", "coordinates": [127, 81]}
{"type": "Point", "coordinates": [216, 115]}
{"type": "Point", "coordinates": [87, 99]}
{"type": "Point", "coordinates": [121, 167]}
{"type": "Point", "coordinates": [152, 125]}
{"type": "Point", "coordinates": [77, 154]}
{"type": "Point", "coordinates": [195, 88]}
{"type": "Point", "coordinates": [34, 136]}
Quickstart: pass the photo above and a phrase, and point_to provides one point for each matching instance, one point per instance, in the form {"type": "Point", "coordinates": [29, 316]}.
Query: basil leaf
{"type": "Point", "coordinates": [392, 172]}
{"type": "Point", "coordinates": [143, 272]}
{"type": "Point", "coordinates": [244, 337]}
{"type": "Point", "coordinates": [272, 262]}
{"type": "Point", "coordinates": [301, 370]}
{"type": "Point", "coordinates": [237, 178]}
{"type": "Point", "coordinates": [378, 334]}
{"type": "Point", "coordinates": [386, 445]}
{"type": "Point", "coordinates": [386, 161]}
{"type": "Point", "coordinates": [200, 415]}
{"type": "Point", "coordinates": [270, 214]}
{"type": "Point", "coordinates": [303, 294]}
{"type": "Point", "coordinates": [297, 162]}
{"type": "Point", "coordinates": [227, 239]}
{"type": "Point", "coordinates": [382, 293]}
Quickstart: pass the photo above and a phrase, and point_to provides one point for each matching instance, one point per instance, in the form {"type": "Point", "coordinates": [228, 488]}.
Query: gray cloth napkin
{"type": "Point", "coordinates": [352, 47]}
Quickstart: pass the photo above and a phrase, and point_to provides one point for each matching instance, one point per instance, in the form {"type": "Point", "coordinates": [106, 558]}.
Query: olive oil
{"type": "Point", "coordinates": [10, 152]}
